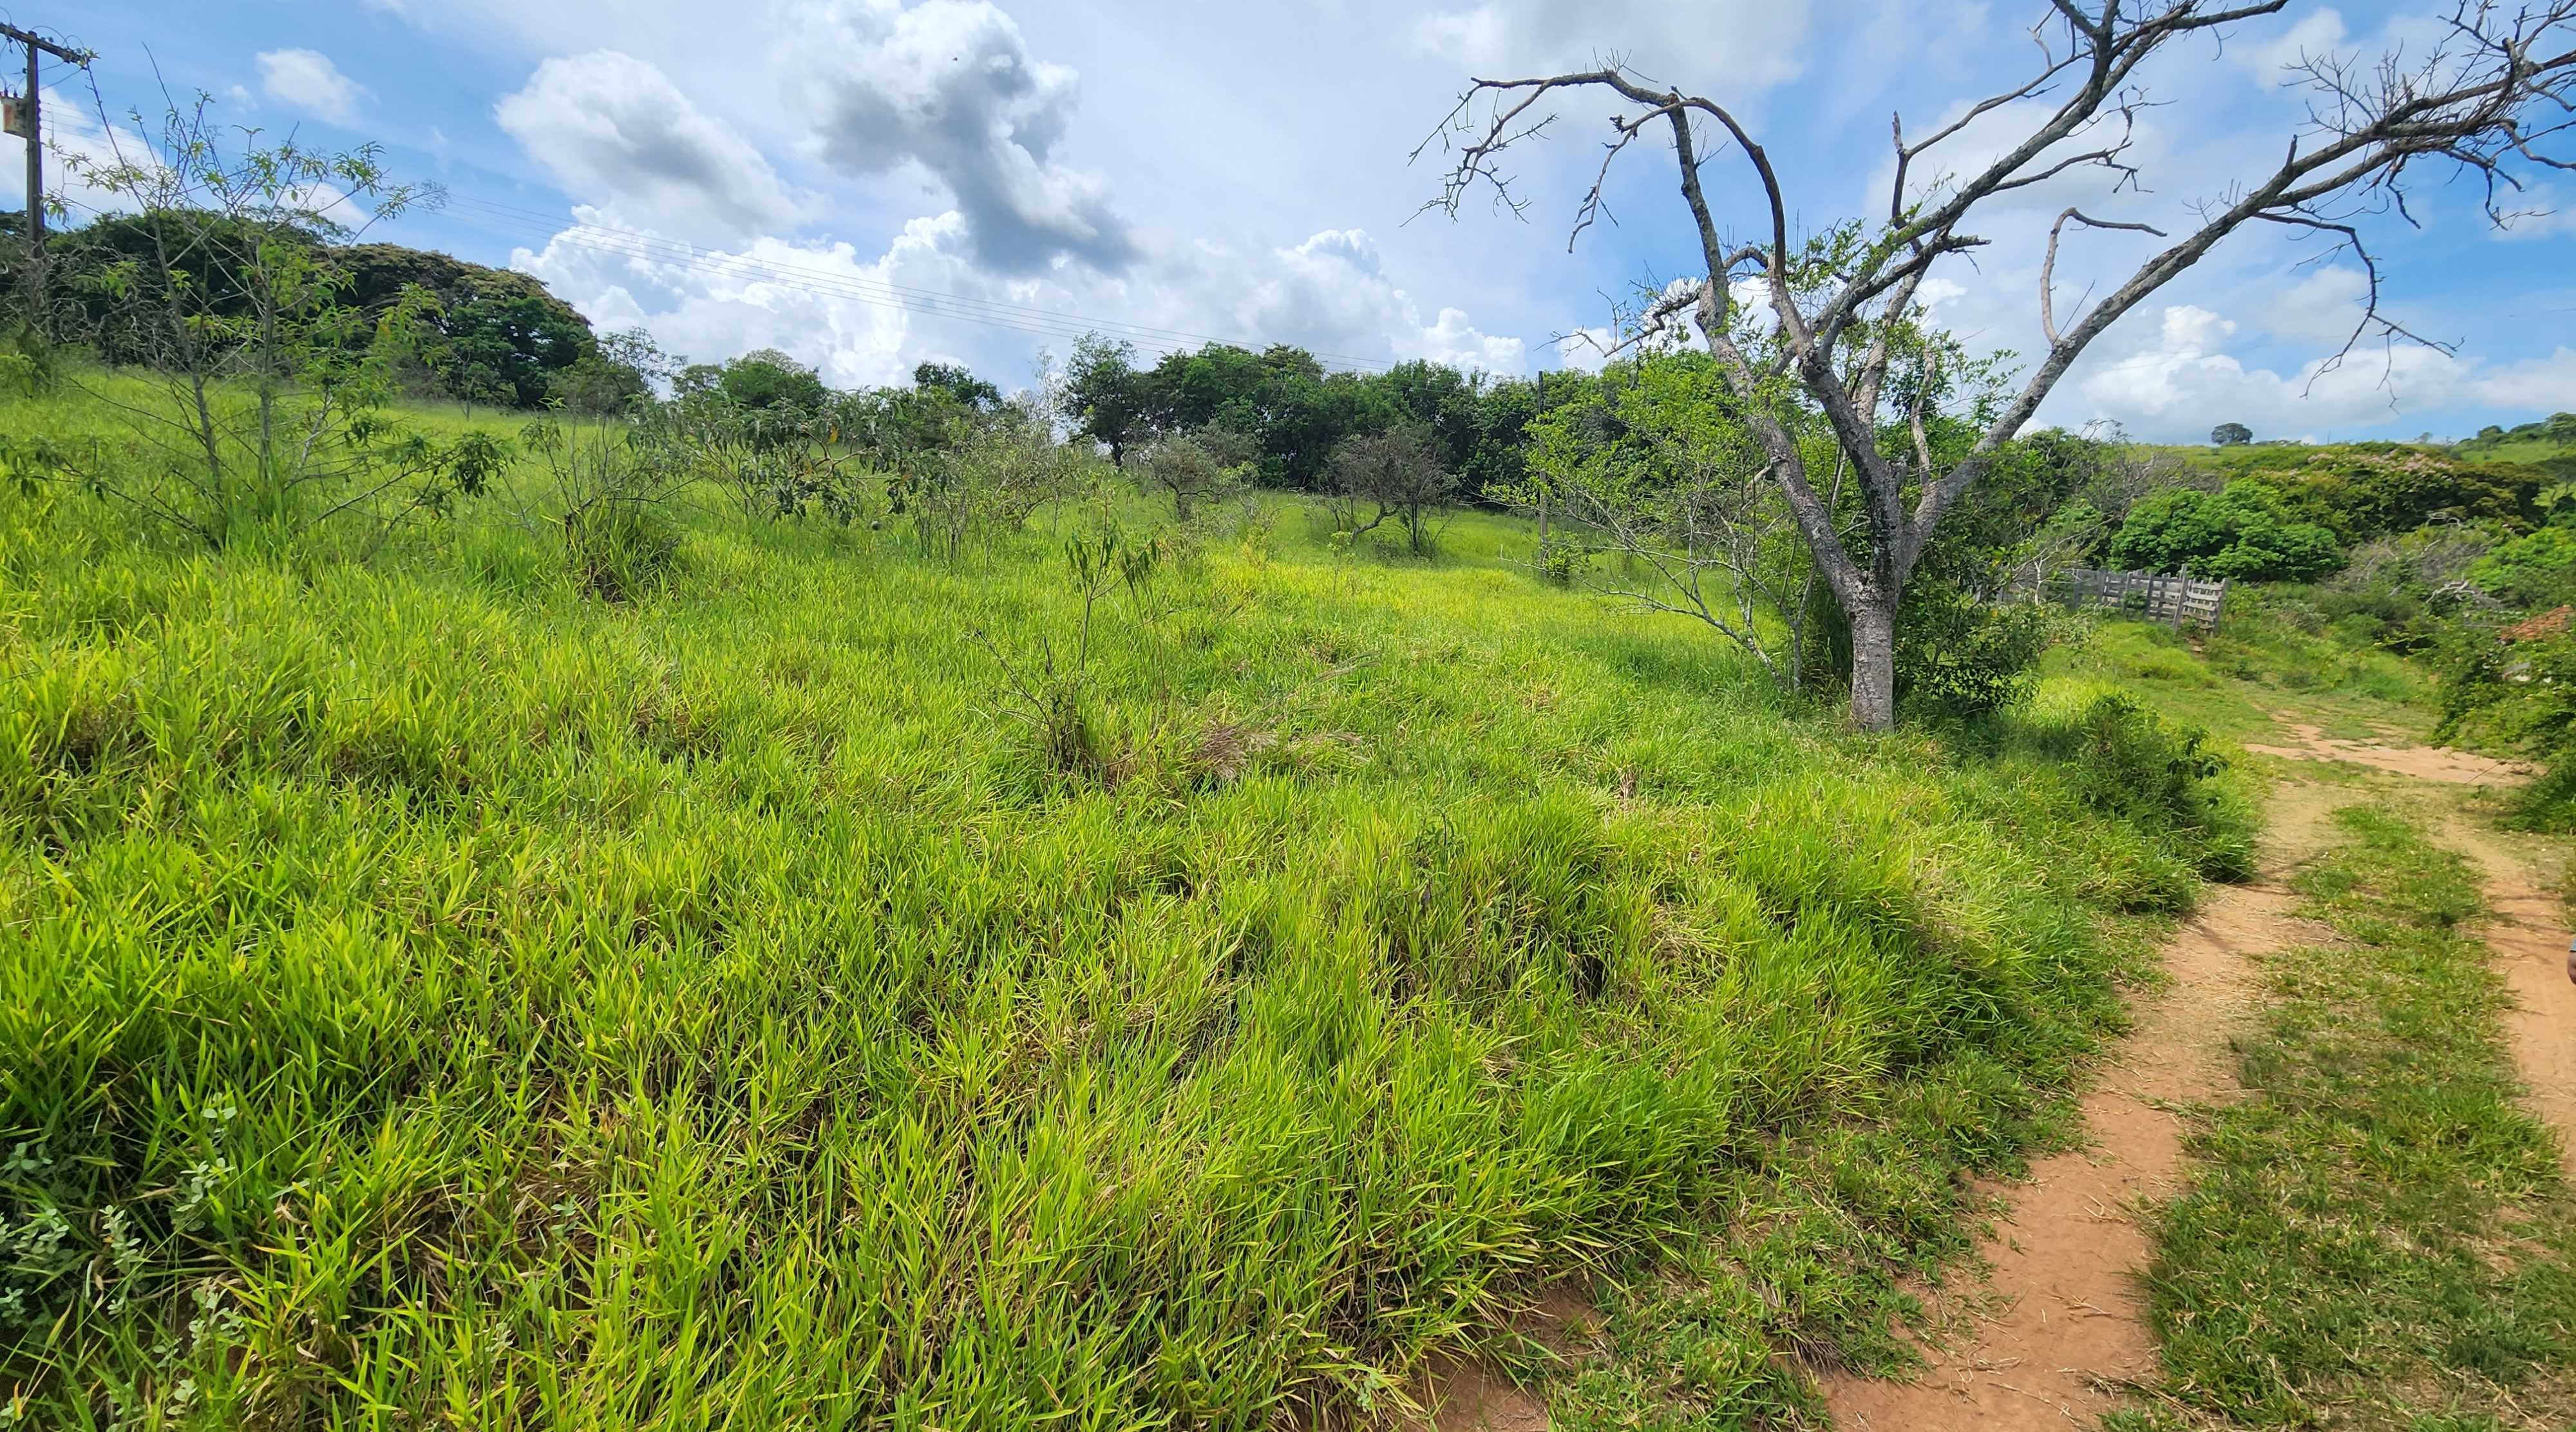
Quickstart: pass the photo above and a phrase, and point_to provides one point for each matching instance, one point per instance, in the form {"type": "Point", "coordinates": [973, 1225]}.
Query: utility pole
{"type": "Point", "coordinates": [30, 127]}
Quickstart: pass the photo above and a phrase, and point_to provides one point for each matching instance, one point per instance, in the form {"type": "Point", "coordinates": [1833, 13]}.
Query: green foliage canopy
{"type": "Point", "coordinates": [2244, 531]}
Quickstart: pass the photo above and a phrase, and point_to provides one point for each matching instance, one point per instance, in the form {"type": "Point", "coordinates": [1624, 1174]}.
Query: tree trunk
{"type": "Point", "coordinates": [1873, 666]}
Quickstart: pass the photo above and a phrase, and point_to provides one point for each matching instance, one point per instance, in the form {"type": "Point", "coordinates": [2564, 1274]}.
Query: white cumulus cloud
{"type": "Point", "coordinates": [1753, 44]}
{"type": "Point", "coordinates": [307, 80]}
{"type": "Point", "coordinates": [2186, 381]}
{"type": "Point", "coordinates": [950, 85]}
{"type": "Point", "coordinates": [615, 132]}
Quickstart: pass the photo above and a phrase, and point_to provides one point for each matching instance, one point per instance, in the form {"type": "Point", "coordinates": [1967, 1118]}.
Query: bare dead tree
{"type": "Point", "coordinates": [1401, 473]}
{"type": "Point", "coordinates": [2497, 93]}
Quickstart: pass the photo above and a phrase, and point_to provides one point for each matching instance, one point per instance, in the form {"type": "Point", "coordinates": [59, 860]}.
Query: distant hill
{"type": "Point", "coordinates": [2551, 437]}
{"type": "Point", "coordinates": [498, 336]}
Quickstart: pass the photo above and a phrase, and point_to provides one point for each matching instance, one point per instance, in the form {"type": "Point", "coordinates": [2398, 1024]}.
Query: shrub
{"type": "Point", "coordinates": [2519, 694]}
{"type": "Point", "coordinates": [985, 486]}
{"type": "Point", "coordinates": [1399, 474]}
{"type": "Point", "coordinates": [2134, 764]}
{"type": "Point", "coordinates": [772, 463]}
{"type": "Point", "coordinates": [2534, 570]}
{"type": "Point", "coordinates": [1961, 656]}
{"type": "Point", "coordinates": [28, 364]}
{"type": "Point", "coordinates": [2244, 531]}
{"type": "Point", "coordinates": [1193, 469]}
{"type": "Point", "coordinates": [763, 378]}
{"type": "Point", "coordinates": [608, 498]}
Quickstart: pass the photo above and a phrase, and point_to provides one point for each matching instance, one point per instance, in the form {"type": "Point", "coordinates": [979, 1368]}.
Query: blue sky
{"type": "Point", "coordinates": [844, 178]}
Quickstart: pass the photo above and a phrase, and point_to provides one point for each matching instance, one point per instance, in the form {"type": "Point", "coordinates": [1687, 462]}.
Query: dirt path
{"type": "Point", "coordinates": [2072, 1325]}
{"type": "Point", "coordinates": [2430, 763]}
{"type": "Point", "coordinates": [2529, 935]}
{"type": "Point", "coordinates": [2067, 1325]}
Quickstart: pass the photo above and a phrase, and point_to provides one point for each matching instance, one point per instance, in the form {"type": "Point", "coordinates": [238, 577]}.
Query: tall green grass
{"type": "Point", "coordinates": [430, 995]}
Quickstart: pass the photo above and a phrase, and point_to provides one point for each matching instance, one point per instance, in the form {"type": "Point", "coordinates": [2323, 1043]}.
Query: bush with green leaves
{"type": "Point", "coordinates": [770, 463]}
{"type": "Point", "coordinates": [1195, 469]}
{"type": "Point", "coordinates": [764, 379]}
{"type": "Point", "coordinates": [2520, 695]}
{"type": "Point", "coordinates": [984, 483]}
{"type": "Point", "coordinates": [1960, 655]}
{"type": "Point", "coordinates": [2242, 532]}
{"type": "Point", "coordinates": [2134, 764]}
{"type": "Point", "coordinates": [618, 379]}
{"type": "Point", "coordinates": [607, 491]}
{"type": "Point", "coordinates": [2537, 569]}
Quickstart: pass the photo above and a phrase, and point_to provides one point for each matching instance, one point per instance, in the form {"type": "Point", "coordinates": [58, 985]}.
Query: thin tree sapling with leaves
{"type": "Point", "coordinates": [267, 410]}
{"type": "Point", "coordinates": [1196, 469]}
{"type": "Point", "coordinates": [1660, 471]}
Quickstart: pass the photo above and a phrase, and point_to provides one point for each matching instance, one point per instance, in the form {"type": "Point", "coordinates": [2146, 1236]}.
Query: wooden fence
{"type": "Point", "coordinates": [2176, 601]}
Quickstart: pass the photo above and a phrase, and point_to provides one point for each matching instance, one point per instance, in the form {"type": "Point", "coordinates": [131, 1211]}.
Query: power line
{"type": "Point", "coordinates": [881, 293]}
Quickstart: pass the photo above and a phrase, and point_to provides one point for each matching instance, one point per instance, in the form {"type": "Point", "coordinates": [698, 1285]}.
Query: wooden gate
{"type": "Point", "coordinates": [2175, 601]}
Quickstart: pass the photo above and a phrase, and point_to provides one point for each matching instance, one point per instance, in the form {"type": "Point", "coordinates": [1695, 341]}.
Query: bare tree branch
{"type": "Point", "coordinates": [2048, 266]}
{"type": "Point", "coordinates": [2496, 92]}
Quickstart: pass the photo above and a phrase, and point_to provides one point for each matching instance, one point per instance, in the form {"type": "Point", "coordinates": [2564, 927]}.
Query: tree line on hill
{"type": "Point", "coordinates": [485, 335]}
{"type": "Point", "coordinates": [1277, 416]}
{"type": "Point", "coordinates": [1649, 449]}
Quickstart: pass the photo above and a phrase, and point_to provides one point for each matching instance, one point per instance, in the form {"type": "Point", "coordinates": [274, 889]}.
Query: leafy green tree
{"type": "Point", "coordinates": [1105, 398]}
{"type": "Point", "coordinates": [2244, 531]}
{"type": "Point", "coordinates": [961, 386]}
{"type": "Point", "coordinates": [768, 380]}
{"type": "Point", "coordinates": [2231, 435]}
{"type": "Point", "coordinates": [509, 345]}
{"type": "Point", "coordinates": [618, 378]}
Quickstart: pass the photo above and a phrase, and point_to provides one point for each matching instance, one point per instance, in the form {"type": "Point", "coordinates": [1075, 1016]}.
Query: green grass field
{"type": "Point", "coordinates": [429, 995]}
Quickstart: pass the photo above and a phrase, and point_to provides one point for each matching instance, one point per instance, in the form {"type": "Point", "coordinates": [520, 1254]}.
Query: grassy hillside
{"type": "Point", "coordinates": [430, 993]}
{"type": "Point", "coordinates": [2530, 448]}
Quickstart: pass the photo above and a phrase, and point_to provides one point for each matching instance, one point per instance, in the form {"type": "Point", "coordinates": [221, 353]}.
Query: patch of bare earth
{"type": "Point", "coordinates": [2429, 763]}
{"type": "Point", "coordinates": [2072, 1327]}
{"type": "Point", "coordinates": [1463, 1395]}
